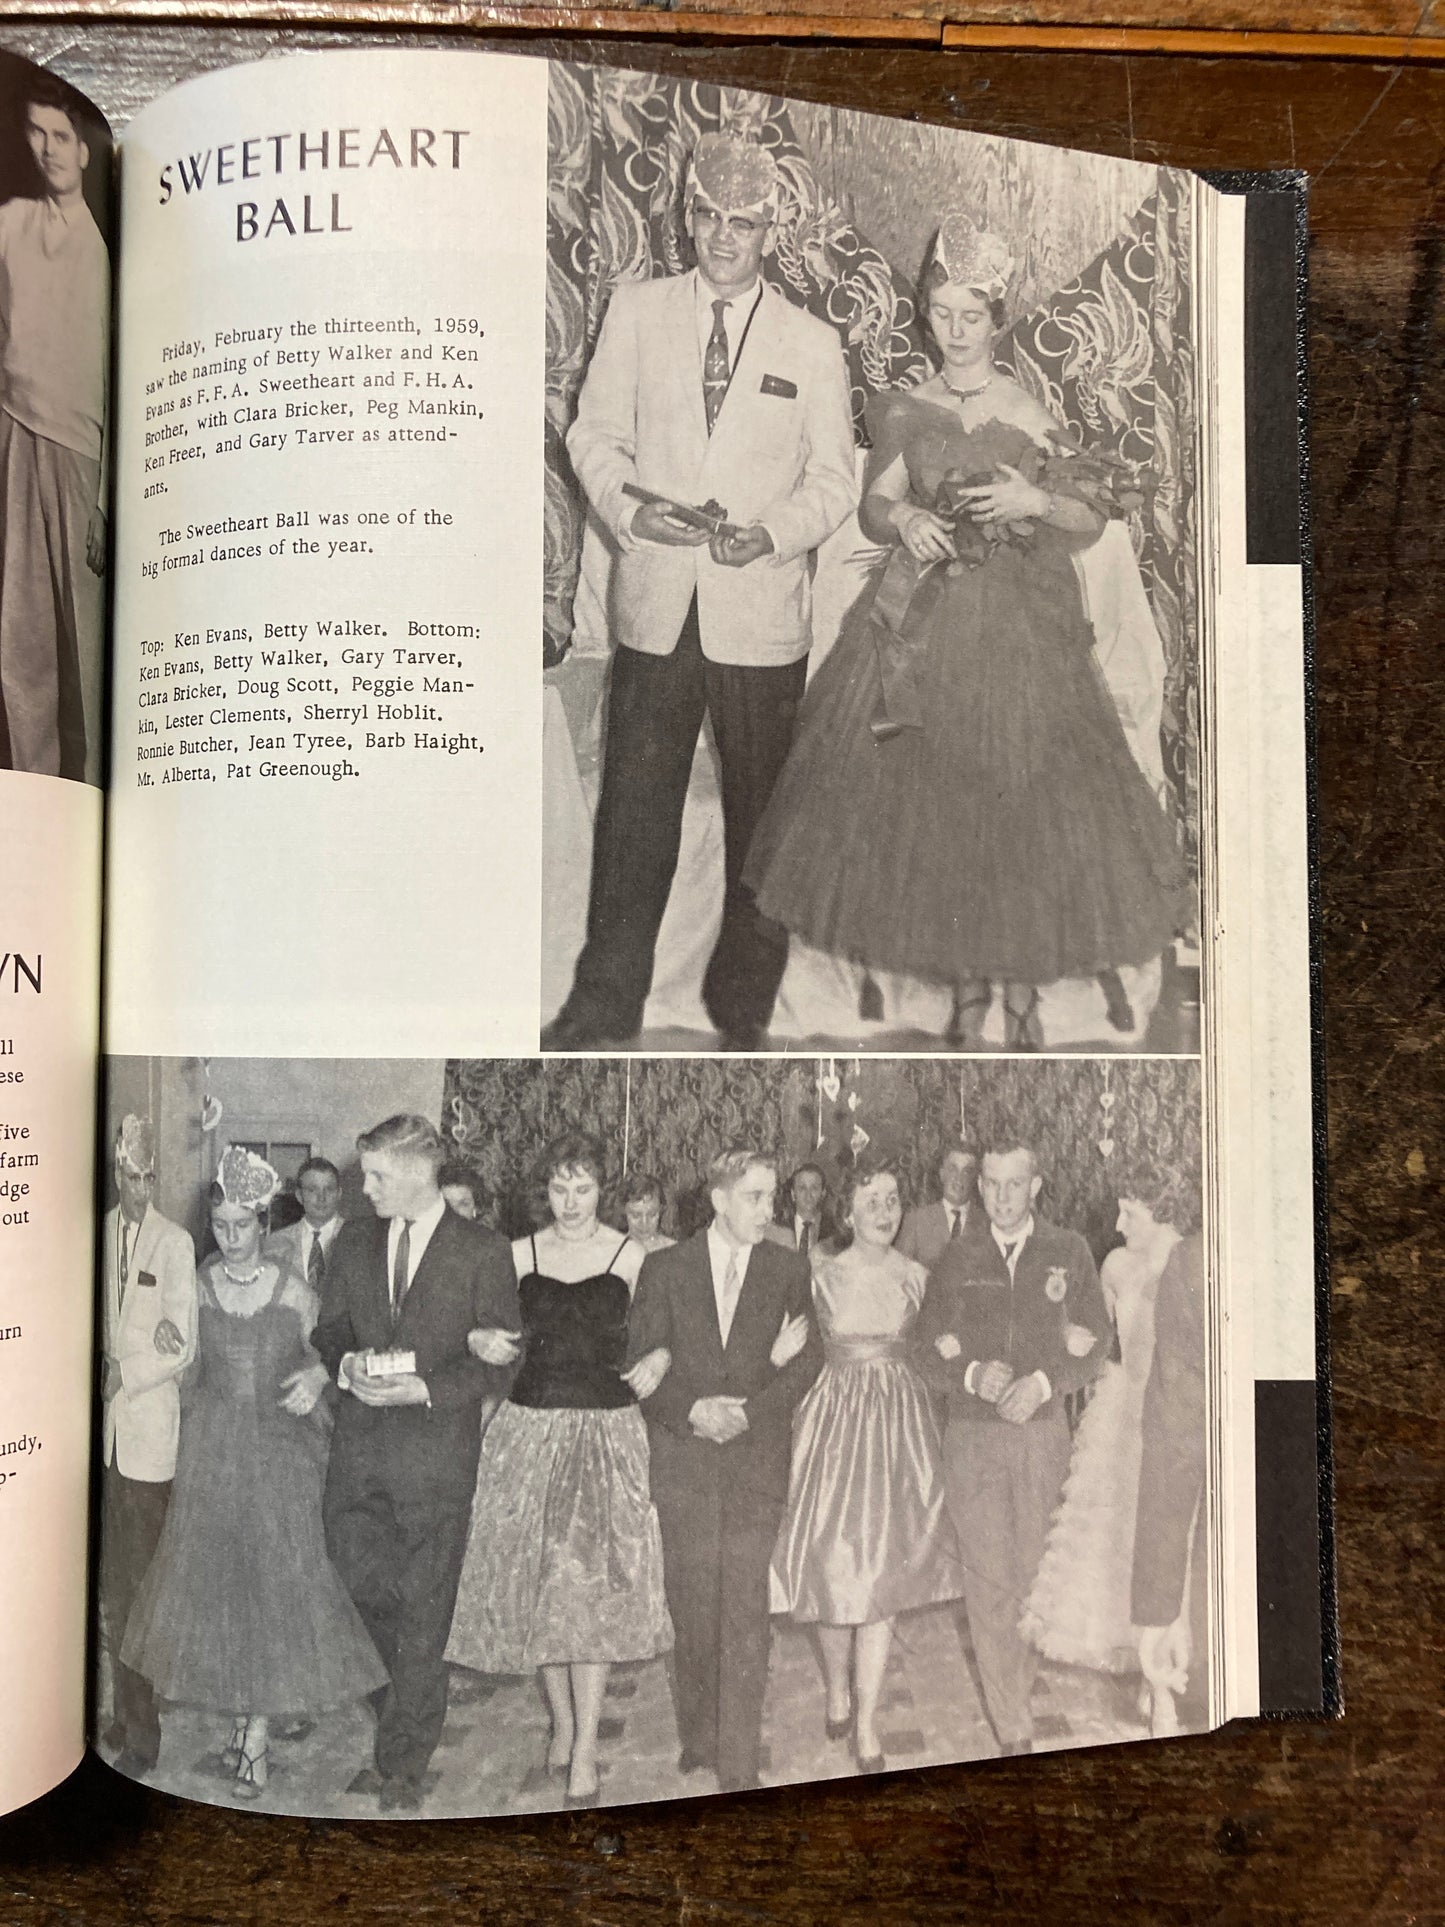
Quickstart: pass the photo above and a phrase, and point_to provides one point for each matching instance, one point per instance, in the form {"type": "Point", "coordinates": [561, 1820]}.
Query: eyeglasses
{"type": "Point", "coordinates": [742, 227]}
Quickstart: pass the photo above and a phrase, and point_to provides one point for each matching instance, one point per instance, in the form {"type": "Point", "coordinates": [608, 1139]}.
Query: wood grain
{"type": "Point", "coordinates": [1375, 30]}
{"type": "Point", "coordinates": [1273, 1824]}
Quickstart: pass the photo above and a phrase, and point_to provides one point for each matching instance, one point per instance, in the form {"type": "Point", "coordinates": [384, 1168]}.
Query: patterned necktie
{"type": "Point", "coordinates": [124, 1254]}
{"type": "Point", "coordinates": [715, 368]}
{"type": "Point", "coordinates": [315, 1263]}
{"type": "Point", "coordinates": [955, 1223]}
{"type": "Point", "coordinates": [732, 1290]}
{"type": "Point", "coordinates": [1010, 1252]}
{"type": "Point", "coordinates": [805, 1243]}
{"type": "Point", "coordinates": [401, 1266]}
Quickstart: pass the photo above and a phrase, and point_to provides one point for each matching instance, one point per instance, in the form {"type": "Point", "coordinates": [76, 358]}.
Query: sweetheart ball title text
{"type": "Point", "coordinates": [309, 205]}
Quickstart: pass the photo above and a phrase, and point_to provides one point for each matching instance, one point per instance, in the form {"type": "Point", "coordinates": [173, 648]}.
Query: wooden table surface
{"type": "Point", "coordinates": [1307, 1823]}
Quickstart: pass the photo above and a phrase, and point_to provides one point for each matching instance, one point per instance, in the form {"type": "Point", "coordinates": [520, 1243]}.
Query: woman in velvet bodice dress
{"type": "Point", "coordinates": [563, 1568]}
{"type": "Point", "coordinates": [960, 803]}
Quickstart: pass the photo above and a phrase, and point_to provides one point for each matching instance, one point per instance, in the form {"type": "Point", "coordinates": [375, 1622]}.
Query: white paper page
{"type": "Point", "coordinates": [49, 1009]}
{"type": "Point", "coordinates": [327, 715]}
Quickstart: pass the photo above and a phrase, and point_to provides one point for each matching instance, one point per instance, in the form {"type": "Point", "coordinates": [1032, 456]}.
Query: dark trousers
{"type": "Point", "coordinates": [133, 1512]}
{"type": "Point", "coordinates": [716, 1550]}
{"type": "Point", "coordinates": [1002, 1483]}
{"type": "Point", "coordinates": [655, 712]}
{"type": "Point", "coordinates": [400, 1558]}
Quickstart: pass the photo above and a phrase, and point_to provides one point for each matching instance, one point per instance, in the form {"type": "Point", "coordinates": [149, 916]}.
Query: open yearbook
{"type": "Point", "coordinates": [676, 724]}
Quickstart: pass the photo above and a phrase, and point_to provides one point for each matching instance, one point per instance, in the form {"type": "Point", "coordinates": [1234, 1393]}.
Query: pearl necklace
{"type": "Point", "coordinates": [236, 1278]}
{"type": "Point", "coordinates": [967, 394]}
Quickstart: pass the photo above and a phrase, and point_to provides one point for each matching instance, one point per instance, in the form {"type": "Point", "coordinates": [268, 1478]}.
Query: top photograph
{"type": "Point", "coordinates": [872, 558]}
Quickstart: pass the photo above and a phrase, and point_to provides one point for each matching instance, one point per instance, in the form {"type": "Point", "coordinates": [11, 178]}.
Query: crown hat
{"type": "Point", "coordinates": [736, 175]}
{"type": "Point", "coordinates": [971, 257]}
{"type": "Point", "coordinates": [135, 1145]}
{"type": "Point", "coordinates": [246, 1179]}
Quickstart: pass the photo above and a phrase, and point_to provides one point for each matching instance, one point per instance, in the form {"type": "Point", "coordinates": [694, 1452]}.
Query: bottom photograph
{"type": "Point", "coordinates": [499, 1436]}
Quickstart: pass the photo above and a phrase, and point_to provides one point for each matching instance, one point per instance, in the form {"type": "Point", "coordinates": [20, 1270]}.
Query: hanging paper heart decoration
{"type": "Point", "coordinates": [859, 1139]}
{"type": "Point", "coordinates": [831, 1087]}
{"type": "Point", "coordinates": [1106, 1147]}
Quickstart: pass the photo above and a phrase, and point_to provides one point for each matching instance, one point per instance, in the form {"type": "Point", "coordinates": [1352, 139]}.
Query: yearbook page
{"type": "Point", "coordinates": [662, 946]}
{"type": "Point", "coordinates": [55, 272]}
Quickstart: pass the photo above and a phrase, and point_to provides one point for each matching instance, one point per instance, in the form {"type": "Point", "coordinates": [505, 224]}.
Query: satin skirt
{"type": "Point", "coordinates": [865, 1534]}
{"type": "Point", "coordinates": [564, 1558]}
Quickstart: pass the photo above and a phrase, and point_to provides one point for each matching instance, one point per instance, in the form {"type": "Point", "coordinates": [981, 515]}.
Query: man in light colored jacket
{"type": "Point", "coordinates": [149, 1324]}
{"type": "Point", "coordinates": [707, 389]}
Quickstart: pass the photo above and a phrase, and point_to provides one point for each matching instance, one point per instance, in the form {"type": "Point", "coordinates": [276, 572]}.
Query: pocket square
{"type": "Point", "coordinates": [145, 1277]}
{"type": "Point", "coordinates": [775, 385]}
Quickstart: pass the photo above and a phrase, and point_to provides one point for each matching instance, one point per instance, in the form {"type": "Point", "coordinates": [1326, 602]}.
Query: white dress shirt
{"type": "Point", "coordinates": [421, 1236]}
{"type": "Point", "coordinates": [309, 1236]}
{"type": "Point", "coordinates": [737, 313]}
{"type": "Point", "coordinates": [722, 1255]}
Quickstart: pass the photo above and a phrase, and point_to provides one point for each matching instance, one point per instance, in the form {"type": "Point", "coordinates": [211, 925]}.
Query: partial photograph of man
{"type": "Point", "coordinates": [1171, 1539]}
{"type": "Point", "coordinates": [1013, 1319]}
{"type": "Point", "coordinates": [149, 1338]}
{"type": "Point", "coordinates": [54, 362]}
{"type": "Point", "coordinates": [403, 1292]}
{"type": "Point", "coordinates": [306, 1245]}
{"type": "Point", "coordinates": [734, 1314]}
{"type": "Point", "coordinates": [807, 1223]}
{"type": "Point", "coordinates": [929, 1227]}
{"type": "Point", "coordinates": [706, 387]}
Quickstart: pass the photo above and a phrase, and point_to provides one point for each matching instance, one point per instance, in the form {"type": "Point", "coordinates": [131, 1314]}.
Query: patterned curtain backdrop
{"type": "Point", "coordinates": [1110, 353]}
{"type": "Point", "coordinates": [1090, 1121]}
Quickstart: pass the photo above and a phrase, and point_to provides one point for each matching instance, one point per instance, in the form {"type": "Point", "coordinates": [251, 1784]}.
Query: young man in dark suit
{"type": "Point", "coordinates": [415, 1279]}
{"type": "Point", "coordinates": [1013, 1319]}
{"type": "Point", "coordinates": [929, 1227]}
{"type": "Point", "coordinates": [732, 1310]}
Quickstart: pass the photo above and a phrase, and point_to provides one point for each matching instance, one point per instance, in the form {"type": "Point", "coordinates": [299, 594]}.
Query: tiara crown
{"type": "Point", "coordinates": [246, 1179]}
{"type": "Point", "coordinates": [971, 257]}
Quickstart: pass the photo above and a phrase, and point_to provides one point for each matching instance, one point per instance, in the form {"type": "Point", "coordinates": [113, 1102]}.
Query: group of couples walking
{"type": "Point", "coordinates": [568, 1453]}
{"type": "Point", "coordinates": [953, 799]}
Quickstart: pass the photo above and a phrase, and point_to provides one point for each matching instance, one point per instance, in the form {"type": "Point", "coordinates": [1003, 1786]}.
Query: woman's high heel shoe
{"type": "Point", "coordinates": [1021, 1028]}
{"type": "Point", "coordinates": [971, 1003]}
{"type": "Point", "coordinates": [838, 1729]}
{"type": "Point", "coordinates": [233, 1749]}
{"type": "Point", "coordinates": [1117, 1007]}
{"type": "Point", "coordinates": [252, 1773]}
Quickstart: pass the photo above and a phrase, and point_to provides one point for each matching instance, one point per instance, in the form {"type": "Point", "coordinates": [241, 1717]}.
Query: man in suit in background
{"type": "Point", "coordinates": [708, 386]}
{"type": "Point", "coordinates": [1014, 1318]}
{"type": "Point", "coordinates": [733, 1311]}
{"type": "Point", "coordinates": [306, 1245]}
{"type": "Point", "coordinates": [807, 1223]}
{"type": "Point", "coordinates": [929, 1227]}
{"type": "Point", "coordinates": [1170, 1543]}
{"type": "Point", "coordinates": [149, 1335]}
{"type": "Point", "coordinates": [414, 1279]}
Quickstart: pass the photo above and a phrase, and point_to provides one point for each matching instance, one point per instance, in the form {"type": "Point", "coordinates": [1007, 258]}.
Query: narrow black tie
{"type": "Point", "coordinates": [400, 1269]}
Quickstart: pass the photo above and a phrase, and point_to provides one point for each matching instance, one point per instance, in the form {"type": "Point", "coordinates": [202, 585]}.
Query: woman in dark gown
{"type": "Point", "coordinates": [960, 804]}
{"type": "Point", "coordinates": [241, 1611]}
{"type": "Point", "coordinates": [563, 1568]}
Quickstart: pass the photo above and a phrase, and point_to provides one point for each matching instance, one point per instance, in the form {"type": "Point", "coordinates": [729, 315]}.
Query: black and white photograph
{"type": "Point", "coordinates": [871, 715]}
{"type": "Point", "coordinates": [498, 1436]}
{"type": "Point", "coordinates": [55, 279]}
